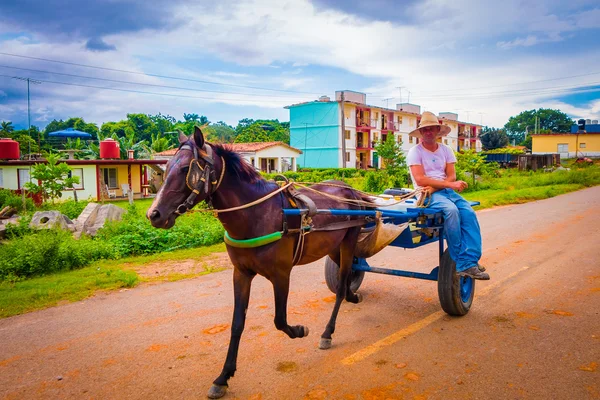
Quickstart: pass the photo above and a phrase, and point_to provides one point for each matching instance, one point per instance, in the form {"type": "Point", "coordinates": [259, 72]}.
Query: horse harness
{"type": "Point", "coordinates": [199, 177]}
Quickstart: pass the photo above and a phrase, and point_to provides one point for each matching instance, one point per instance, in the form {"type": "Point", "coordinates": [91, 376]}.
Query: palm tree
{"type": "Point", "coordinates": [6, 127]}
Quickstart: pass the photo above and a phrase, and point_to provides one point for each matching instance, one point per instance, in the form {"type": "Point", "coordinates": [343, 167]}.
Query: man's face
{"type": "Point", "coordinates": [429, 134]}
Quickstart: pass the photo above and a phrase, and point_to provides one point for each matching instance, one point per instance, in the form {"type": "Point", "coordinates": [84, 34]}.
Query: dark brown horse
{"type": "Point", "coordinates": [203, 171]}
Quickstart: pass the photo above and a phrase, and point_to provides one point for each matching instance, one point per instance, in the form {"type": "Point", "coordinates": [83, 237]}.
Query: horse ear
{"type": "Point", "coordinates": [182, 137]}
{"type": "Point", "coordinates": [198, 137]}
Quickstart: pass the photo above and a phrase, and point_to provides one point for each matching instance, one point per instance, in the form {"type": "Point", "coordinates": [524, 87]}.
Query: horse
{"type": "Point", "coordinates": [250, 207]}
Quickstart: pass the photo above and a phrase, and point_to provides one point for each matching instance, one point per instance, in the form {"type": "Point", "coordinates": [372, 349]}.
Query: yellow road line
{"type": "Point", "coordinates": [417, 326]}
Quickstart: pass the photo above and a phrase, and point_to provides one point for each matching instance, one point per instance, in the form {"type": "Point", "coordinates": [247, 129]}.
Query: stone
{"type": "Point", "coordinates": [51, 219]}
{"type": "Point", "coordinates": [4, 222]}
{"type": "Point", "coordinates": [104, 213]}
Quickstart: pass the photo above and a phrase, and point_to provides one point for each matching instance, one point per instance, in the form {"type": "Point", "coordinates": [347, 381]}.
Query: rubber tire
{"type": "Point", "coordinates": [449, 290]}
{"type": "Point", "coordinates": [332, 276]}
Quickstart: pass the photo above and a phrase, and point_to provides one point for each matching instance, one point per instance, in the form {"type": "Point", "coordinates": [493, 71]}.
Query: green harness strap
{"type": "Point", "coordinates": [254, 242]}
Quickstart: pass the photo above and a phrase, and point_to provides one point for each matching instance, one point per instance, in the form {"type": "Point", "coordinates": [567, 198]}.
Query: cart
{"type": "Point", "coordinates": [425, 226]}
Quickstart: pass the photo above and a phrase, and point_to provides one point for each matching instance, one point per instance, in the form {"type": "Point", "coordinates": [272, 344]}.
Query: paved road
{"type": "Point", "coordinates": [533, 331]}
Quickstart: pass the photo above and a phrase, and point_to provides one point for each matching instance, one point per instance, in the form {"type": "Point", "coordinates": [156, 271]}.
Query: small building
{"type": "Point", "coordinates": [98, 179]}
{"type": "Point", "coordinates": [264, 156]}
{"type": "Point", "coordinates": [568, 145]}
{"type": "Point", "coordinates": [316, 129]}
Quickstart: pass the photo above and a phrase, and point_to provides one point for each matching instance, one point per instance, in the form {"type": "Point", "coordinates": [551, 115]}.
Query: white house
{"type": "Point", "coordinates": [265, 156]}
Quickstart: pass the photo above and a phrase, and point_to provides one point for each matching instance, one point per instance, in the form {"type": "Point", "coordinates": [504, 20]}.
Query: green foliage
{"type": "Point", "coordinates": [505, 150]}
{"type": "Point", "coordinates": [6, 127]}
{"type": "Point", "coordinates": [474, 163]}
{"type": "Point", "coordinates": [21, 228]}
{"type": "Point", "coordinates": [48, 251]}
{"type": "Point", "coordinates": [219, 133]}
{"type": "Point", "coordinates": [375, 182]}
{"type": "Point", "coordinates": [135, 236]}
{"type": "Point", "coordinates": [75, 123]}
{"type": "Point", "coordinates": [552, 120]}
{"type": "Point", "coordinates": [265, 130]}
{"type": "Point", "coordinates": [70, 208]}
{"type": "Point", "coordinates": [53, 178]}
{"type": "Point", "coordinates": [9, 198]}
{"type": "Point", "coordinates": [494, 139]}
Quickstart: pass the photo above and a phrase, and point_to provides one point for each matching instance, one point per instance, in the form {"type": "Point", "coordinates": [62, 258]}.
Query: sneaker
{"type": "Point", "coordinates": [475, 273]}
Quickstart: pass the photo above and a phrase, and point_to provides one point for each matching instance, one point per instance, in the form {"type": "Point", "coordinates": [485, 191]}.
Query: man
{"type": "Point", "coordinates": [432, 166]}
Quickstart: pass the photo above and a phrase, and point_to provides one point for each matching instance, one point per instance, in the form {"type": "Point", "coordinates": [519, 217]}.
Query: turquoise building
{"type": "Point", "coordinates": [315, 128]}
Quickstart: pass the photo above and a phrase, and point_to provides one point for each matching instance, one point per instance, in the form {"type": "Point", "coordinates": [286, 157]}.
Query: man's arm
{"type": "Point", "coordinates": [418, 173]}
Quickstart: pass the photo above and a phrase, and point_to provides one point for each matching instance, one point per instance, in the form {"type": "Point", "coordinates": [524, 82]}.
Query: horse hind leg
{"type": "Point", "coordinates": [346, 253]}
{"type": "Point", "coordinates": [241, 289]}
{"type": "Point", "coordinates": [281, 288]}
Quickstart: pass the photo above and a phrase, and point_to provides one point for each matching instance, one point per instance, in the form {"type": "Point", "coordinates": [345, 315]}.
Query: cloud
{"type": "Point", "coordinates": [526, 42]}
{"type": "Point", "coordinates": [70, 20]}
{"type": "Point", "coordinates": [97, 44]}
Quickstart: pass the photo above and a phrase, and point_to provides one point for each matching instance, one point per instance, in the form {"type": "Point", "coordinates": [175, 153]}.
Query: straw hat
{"type": "Point", "coordinates": [429, 119]}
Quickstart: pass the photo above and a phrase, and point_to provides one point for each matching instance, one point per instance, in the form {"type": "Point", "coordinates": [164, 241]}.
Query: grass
{"type": "Point", "coordinates": [43, 292]}
{"type": "Point", "coordinates": [104, 275]}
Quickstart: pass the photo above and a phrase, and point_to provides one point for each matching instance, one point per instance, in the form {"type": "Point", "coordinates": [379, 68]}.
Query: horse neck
{"type": "Point", "coordinates": [234, 192]}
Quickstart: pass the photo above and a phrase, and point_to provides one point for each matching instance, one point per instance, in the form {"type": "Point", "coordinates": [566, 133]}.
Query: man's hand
{"type": "Point", "coordinates": [458, 186]}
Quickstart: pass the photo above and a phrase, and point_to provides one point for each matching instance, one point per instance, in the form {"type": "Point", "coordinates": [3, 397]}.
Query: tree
{"type": "Point", "coordinates": [554, 120]}
{"type": "Point", "coordinates": [6, 127]}
{"type": "Point", "coordinates": [493, 138]}
{"type": "Point", "coordinates": [53, 178]}
{"type": "Point", "coordinates": [472, 162]}
{"type": "Point", "coordinates": [394, 161]}
{"type": "Point", "coordinates": [264, 130]}
{"type": "Point", "coordinates": [219, 133]}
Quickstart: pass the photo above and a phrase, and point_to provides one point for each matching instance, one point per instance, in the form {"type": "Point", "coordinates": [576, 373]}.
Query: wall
{"type": "Point", "coordinates": [549, 144]}
{"type": "Point", "coordinates": [315, 129]}
{"type": "Point", "coordinates": [89, 190]}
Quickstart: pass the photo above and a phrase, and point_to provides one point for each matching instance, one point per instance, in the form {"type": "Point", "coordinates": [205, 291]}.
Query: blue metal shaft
{"type": "Point", "coordinates": [432, 276]}
{"type": "Point", "coordinates": [369, 213]}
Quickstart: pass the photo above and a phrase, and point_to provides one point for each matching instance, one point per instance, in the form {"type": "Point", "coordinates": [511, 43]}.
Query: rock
{"type": "Point", "coordinates": [4, 222]}
{"type": "Point", "coordinates": [51, 219]}
{"type": "Point", "coordinates": [97, 218]}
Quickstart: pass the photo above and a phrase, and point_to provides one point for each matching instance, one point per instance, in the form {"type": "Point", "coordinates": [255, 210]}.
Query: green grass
{"type": "Point", "coordinates": [37, 293]}
{"type": "Point", "coordinates": [493, 198]}
{"type": "Point", "coordinates": [47, 291]}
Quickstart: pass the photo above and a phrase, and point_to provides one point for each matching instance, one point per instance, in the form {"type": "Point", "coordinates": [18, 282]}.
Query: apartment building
{"type": "Point", "coordinates": [316, 129]}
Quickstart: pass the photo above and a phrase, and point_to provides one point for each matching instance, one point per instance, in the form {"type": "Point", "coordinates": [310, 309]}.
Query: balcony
{"type": "Point", "coordinates": [390, 125]}
{"type": "Point", "coordinates": [366, 124]}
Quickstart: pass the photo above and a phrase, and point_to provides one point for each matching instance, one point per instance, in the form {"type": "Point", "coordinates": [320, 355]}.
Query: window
{"type": "Point", "coordinates": [1, 179]}
{"type": "Point", "coordinates": [347, 134]}
{"type": "Point", "coordinates": [110, 177]}
{"type": "Point", "coordinates": [399, 119]}
{"type": "Point", "coordinates": [79, 173]}
{"type": "Point", "coordinates": [445, 141]}
{"type": "Point", "coordinates": [23, 177]}
{"type": "Point", "coordinates": [347, 156]}
{"type": "Point", "coordinates": [410, 139]}
{"type": "Point", "coordinates": [563, 147]}
{"type": "Point", "coordinates": [399, 139]}
{"type": "Point", "coordinates": [581, 146]}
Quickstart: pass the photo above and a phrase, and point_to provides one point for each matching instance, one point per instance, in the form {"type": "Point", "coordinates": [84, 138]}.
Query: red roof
{"type": "Point", "coordinates": [239, 148]}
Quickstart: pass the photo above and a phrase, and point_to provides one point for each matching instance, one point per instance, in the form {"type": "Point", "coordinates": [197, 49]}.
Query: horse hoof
{"type": "Point", "coordinates": [217, 391]}
{"type": "Point", "coordinates": [325, 344]}
{"type": "Point", "coordinates": [305, 328]}
{"type": "Point", "coordinates": [359, 297]}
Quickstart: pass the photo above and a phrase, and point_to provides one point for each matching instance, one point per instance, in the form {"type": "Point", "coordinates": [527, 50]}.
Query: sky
{"type": "Point", "coordinates": [235, 59]}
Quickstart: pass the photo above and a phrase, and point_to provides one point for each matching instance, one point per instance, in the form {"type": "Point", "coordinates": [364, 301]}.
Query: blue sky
{"type": "Point", "coordinates": [485, 60]}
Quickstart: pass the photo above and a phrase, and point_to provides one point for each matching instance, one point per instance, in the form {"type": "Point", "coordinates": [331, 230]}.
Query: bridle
{"type": "Point", "coordinates": [198, 177]}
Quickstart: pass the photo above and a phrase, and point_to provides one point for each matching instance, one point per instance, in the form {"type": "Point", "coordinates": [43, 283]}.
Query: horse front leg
{"type": "Point", "coordinates": [241, 289]}
{"type": "Point", "coordinates": [343, 291]}
{"type": "Point", "coordinates": [281, 289]}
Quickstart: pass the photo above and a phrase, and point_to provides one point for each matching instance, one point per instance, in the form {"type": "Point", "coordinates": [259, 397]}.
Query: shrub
{"type": "Point", "coordinates": [134, 235]}
{"type": "Point", "coordinates": [70, 208]}
{"type": "Point", "coordinates": [375, 182]}
{"type": "Point", "coordinates": [9, 198]}
{"type": "Point", "coordinates": [48, 251]}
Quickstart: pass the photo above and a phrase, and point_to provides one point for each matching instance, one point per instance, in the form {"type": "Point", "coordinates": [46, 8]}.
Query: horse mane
{"type": "Point", "coordinates": [237, 165]}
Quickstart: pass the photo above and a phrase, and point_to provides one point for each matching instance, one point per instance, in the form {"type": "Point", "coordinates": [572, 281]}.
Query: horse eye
{"type": "Point", "coordinates": [185, 169]}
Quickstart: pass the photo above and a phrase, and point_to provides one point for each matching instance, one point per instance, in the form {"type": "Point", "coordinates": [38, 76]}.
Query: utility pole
{"type": "Point", "coordinates": [408, 97]}
{"type": "Point", "coordinates": [343, 131]}
{"type": "Point", "coordinates": [35, 82]}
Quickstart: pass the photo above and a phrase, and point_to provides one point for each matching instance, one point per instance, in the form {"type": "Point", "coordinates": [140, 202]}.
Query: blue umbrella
{"type": "Point", "coordinates": [70, 133]}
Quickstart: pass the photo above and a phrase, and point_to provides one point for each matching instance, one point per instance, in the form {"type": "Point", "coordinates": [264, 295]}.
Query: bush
{"type": "Point", "coordinates": [9, 198]}
{"type": "Point", "coordinates": [376, 182]}
{"type": "Point", "coordinates": [49, 251]}
{"type": "Point", "coordinates": [70, 208]}
{"type": "Point", "coordinates": [134, 235]}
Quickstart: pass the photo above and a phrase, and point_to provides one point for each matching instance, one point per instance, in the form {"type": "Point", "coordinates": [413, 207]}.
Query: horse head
{"type": "Point", "coordinates": [190, 177]}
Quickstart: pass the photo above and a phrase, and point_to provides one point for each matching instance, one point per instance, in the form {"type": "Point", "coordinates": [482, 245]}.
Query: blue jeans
{"type": "Point", "coordinates": [463, 234]}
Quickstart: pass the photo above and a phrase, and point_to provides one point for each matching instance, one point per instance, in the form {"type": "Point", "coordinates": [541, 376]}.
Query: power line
{"type": "Point", "coordinates": [143, 92]}
{"type": "Point", "coordinates": [140, 83]}
{"type": "Point", "coordinates": [154, 75]}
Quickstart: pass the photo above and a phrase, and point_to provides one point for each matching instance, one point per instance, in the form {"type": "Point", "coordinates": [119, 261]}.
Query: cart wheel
{"type": "Point", "coordinates": [455, 292]}
{"type": "Point", "coordinates": [332, 276]}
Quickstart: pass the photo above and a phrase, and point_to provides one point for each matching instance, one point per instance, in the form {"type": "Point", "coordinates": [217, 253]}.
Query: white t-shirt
{"type": "Point", "coordinates": [434, 163]}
